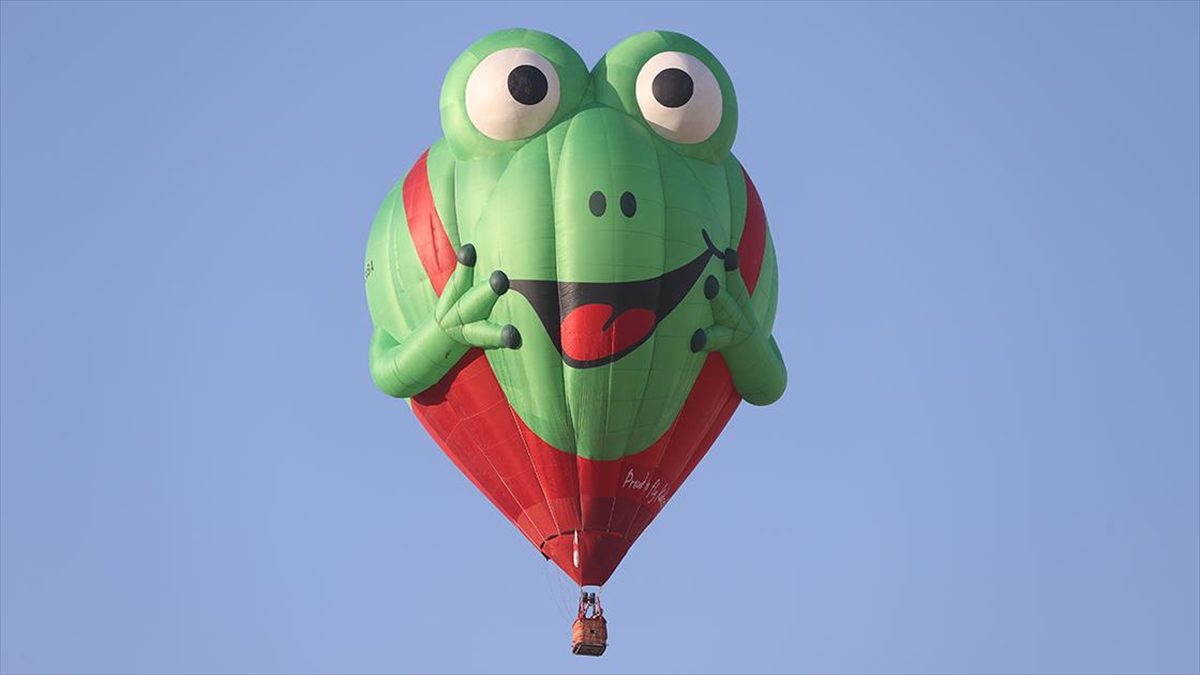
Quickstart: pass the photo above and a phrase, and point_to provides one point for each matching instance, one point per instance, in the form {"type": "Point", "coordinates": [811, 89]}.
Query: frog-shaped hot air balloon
{"type": "Point", "coordinates": [575, 287]}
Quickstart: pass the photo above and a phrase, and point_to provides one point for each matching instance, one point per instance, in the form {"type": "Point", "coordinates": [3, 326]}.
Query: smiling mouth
{"type": "Point", "coordinates": [593, 324]}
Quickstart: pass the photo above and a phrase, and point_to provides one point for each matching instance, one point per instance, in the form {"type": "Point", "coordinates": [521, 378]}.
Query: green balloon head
{"type": "Point", "coordinates": [601, 226]}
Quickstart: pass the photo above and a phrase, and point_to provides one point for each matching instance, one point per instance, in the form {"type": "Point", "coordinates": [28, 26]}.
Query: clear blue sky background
{"type": "Point", "coordinates": [988, 217]}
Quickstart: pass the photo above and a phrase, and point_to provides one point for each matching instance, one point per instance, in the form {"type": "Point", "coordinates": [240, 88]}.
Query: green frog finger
{"type": "Point", "coordinates": [459, 283]}
{"type": "Point", "coordinates": [477, 303]}
{"type": "Point", "coordinates": [491, 335]}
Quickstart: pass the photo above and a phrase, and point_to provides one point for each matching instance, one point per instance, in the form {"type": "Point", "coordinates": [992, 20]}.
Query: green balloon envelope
{"type": "Point", "coordinates": [576, 286]}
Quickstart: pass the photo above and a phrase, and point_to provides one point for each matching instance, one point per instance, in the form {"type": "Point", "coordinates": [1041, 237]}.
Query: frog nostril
{"type": "Point", "coordinates": [628, 204]}
{"type": "Point", "coordinates": [597, 203]}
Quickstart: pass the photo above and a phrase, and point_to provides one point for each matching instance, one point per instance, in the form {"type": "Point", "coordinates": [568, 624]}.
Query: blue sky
{"type": "Point", "coordinates": [988, 460]}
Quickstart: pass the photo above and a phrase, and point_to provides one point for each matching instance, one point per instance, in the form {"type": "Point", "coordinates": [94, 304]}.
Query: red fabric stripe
{"type": "Point", "coordinates": [753, 245]}
{"type": "Point", "coordinates": [425, 226]}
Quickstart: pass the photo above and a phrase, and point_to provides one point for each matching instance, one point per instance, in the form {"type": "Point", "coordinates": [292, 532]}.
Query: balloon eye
{"type": "Point", "coordinates": [512, 94]}
{"type": "Point", "coordinates": [672, 87]}
{"type": "Point", "coordinates": [679, 97]}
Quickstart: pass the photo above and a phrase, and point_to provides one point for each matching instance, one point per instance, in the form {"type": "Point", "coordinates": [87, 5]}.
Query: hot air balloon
{"type": "Point", "coordinates": [575, 287]}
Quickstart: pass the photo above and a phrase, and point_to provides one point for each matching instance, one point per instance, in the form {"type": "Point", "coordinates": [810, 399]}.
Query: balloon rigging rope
{"type": "Point", "coordinates": [555, 586]}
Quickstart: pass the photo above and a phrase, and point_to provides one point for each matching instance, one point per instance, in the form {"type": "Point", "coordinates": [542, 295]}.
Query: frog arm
{"type": "Point", "coordinates": [406, 367]}
{"type": "Point", "coordinates": [753, 357]}
{"type": "Point", "coordinates": [759, 374]}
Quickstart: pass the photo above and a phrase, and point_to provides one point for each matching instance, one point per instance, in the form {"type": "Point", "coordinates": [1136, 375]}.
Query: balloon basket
{"type": "Point", "coordinates": [589, 634]}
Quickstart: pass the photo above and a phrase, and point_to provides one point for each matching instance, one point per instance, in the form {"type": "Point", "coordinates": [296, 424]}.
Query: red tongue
{"type": "Point", "coordinates": [584, 337]}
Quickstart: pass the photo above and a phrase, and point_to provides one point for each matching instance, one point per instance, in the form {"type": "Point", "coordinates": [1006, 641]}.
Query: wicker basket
{"type": "Point", "coordinates": [589, 636]}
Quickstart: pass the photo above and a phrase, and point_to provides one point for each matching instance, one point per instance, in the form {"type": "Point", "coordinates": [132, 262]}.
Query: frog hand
{"type": "Point", "coordinates": [464, 307]}
{"type": "Point", "coordinates": [733, 316]}
{"type": "Point", "coordinates": [753, 358]}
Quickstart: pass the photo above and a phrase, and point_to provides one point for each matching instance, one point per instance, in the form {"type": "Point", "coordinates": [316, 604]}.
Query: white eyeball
{"type": "Point", "coordinates": [679, 97]}
{"type": "Point", "coordinates": [512, 94]}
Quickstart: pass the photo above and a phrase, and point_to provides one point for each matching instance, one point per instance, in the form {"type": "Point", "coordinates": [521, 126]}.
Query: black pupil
{"type": "Point", "coordinates": [672, 87]}
{"type": "Point", "coordinates": [527, 84]}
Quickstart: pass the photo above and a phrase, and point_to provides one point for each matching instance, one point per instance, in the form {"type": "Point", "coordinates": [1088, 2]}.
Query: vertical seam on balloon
{"type": "Point", "coordinates": [613, 336]}
{"type": "Point", "coordinates": [562, 369]}
{"type": "Point", "coordinates": [712, 207]}
{"type": "Point", "coordinates": [646, 381]}
{"type": "Point", "coordinates": [653, 340]}
{"type": "Point", "coordinates": [452, 198]}
{"type": "Point", "coordinates": [396, 254]}
{"type": "Point", "coordinates": [655, 336]}
{"type": "Point", "coordinates": [537, 477]}
{"type": "Point", "coordinates": [512, 413]}
{"type": "Point", "coordinates": [502, 366]}
{"type": "Point", "coordinates": [670, 431]}
{"type": "Point", "coordinates": [552, 176]}
{"type": "Point", "coordinates": [607, 395]}
{"type": "Point", "coordinates": [733, 215]}
{"type": "Point", "coordinates": [390, 245]}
